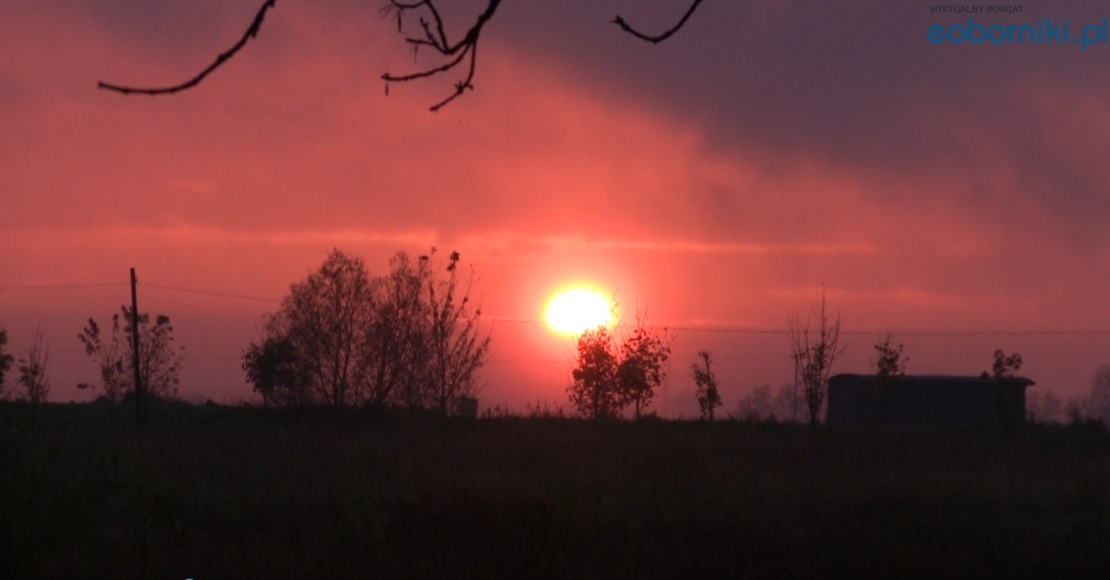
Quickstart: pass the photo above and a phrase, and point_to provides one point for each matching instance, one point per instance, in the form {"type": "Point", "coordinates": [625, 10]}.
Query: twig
{"type": "Point", "coordinates": [437, 40]}
{"type": "Point", "coordinates": [434, 35]}
{"type": "Point", "coordinates": [251, 32]}
{"type": "Point", "coordinates": [619, 21]}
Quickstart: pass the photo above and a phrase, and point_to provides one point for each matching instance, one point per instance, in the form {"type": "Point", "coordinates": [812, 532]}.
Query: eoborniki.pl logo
{"type": "Point", "coordinates": [1043, 31]}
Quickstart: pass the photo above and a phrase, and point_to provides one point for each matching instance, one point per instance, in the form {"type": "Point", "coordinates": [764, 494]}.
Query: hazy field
{"type": "Point", "coordinates": [216, 492]}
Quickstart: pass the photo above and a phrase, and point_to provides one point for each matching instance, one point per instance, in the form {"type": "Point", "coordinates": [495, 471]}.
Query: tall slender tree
{"type": "Point", "coordinates": [455, 346]}
{"type": "Point", "coordinates": [5, 358]}
{"type": "Point", "coordinates": [709, 397]}
{"type": "Point", "coordinates": [32, 370]}
{"type": "Point", "coordinates": [814, 350]}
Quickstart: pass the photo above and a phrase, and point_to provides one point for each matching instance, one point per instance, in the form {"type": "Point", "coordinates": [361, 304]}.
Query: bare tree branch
{"type": "Point", "coordinates": [251, 32]}
{"type": "Point", "coordinates": [433, 34]}
{"type": "Point", "coordinates": [437, 40]}
{"type": "Point", "coordinates": [619, 21]}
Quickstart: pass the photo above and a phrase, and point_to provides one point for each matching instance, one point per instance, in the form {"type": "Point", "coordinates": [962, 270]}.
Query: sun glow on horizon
{"type": "Point", "coordinates": [576, 310]}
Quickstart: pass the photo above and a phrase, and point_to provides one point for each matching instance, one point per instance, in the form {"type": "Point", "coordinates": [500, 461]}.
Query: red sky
{"type": "Point", "coordinates": [956, 195]}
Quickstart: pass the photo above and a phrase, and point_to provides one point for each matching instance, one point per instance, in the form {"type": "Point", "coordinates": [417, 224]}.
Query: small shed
{"type": "Point", "coordinates": [931, 400]}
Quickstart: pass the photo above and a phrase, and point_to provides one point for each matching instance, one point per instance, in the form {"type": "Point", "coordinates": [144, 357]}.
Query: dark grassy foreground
{"type": "Point", "coordinates": [212, 492]}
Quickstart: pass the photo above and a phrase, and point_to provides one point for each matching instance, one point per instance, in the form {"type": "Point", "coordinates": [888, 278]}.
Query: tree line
{"type": "Point", "coordinates": [412, 338]}
{"type": "Point", "coordinates": [341, 338]}
{"type": "Point", "coordinates": [609, 377]}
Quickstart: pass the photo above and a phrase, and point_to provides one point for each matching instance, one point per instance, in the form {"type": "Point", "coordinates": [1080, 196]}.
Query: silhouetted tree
{"type": "Point", "coordinates": [5, 359]}
{"type": "Point", "coordinates": [1044, 407]}
{"type": "Point", "coordinates": [325, 318]}
{"type": "Point", "coordinates": [709, 398]}
{"type": "Point", "coordinates": [595, 392]}
{"type": "Point", "coordinates": [785, 404]}
{"type": "Point", "coordinates": [271, 368]}
{"type": "Point", "coordinates": [891, 366]}
{"type": "Point", "coordinates": [1097, 402]}
{"type": "Point", "coordinates": [160, 363]}
{"type": "Point", "coordinates": [757, 405]}
{"type": "Point", "coordinates": [640, 370]}
{"type": "Point", "coordinates": [343, 338]}
{"type": "Point", "coordinates": [891, 363]}
{"type": "Point", "coordinates": [398, 335]}
{"type": "Point", "coordinates": [455, 346]}
{"type": "Point", "coordinates": [1005, 366]}
{"type": "Point", "coordinates": [763, 404]}
{"type": "Point", "coordinates": [814, 351]}
{"type": "Point", "coordinates": [607, 379]}
{"type": "Point", "coordinates": [32, 370]}
{"type": "Point", "coordinates": [431, 34]}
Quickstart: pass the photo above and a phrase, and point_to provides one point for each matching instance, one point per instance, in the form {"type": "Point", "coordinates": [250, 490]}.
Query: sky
{"type": "Point", "coordinates": [955, 194]}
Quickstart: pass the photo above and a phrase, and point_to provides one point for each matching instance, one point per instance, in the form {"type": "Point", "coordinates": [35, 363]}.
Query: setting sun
{"type": "Point", "coordinates": [574, 311]}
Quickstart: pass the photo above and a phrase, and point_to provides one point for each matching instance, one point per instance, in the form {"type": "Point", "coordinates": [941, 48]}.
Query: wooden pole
{"type": "Point", "coordinates": [135, 350]}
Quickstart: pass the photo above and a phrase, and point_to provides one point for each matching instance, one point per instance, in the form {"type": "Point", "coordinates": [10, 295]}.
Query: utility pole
{"type": "Point", "coordinates": [135, 350]}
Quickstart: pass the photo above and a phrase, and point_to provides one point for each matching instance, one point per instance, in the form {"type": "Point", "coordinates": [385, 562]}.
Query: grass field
{"type": "Point", "coordinates": [219, 492]}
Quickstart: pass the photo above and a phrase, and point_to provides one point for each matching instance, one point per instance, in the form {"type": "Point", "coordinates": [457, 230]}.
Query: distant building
{"type": "Point", "coordinates": [933, 400]}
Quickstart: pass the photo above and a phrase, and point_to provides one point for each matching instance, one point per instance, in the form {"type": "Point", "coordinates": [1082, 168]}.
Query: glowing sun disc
{"type": "Point", "coordinates": [575, 311]}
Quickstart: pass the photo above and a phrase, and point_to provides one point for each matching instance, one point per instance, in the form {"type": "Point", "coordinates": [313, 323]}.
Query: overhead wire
{"type": "Point", "coordinates": [657, 326]}
{"type": "Point", "coordinates": [209, 293]}
{"type": "Point", "coordinates": [63, 286]}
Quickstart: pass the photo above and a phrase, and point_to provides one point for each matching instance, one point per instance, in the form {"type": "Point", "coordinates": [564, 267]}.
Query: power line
{"type": "Point", "coordinates": [63, 286]}
{"type": "Point", "coordinates": [38, 287]}
{"type": "Point", "coordinates": [746, 330]}
{"type": "Point", "coordinates": [1032, 332]}
{"type": "Point", "coordinates": [209, 293]}
{"type": "Point", "coordinates": [986, 332]}
{"type": "Point", "coordinates": [701, 329]}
